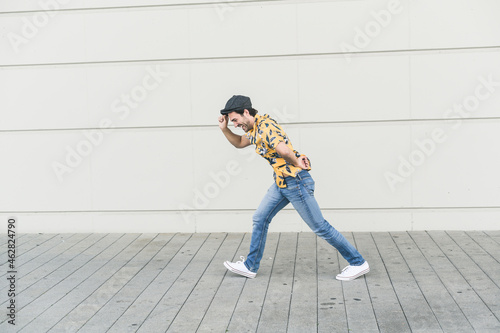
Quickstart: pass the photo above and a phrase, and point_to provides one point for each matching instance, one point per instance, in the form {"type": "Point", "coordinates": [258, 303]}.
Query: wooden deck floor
{"type": "Point", "coordinates": [440, 281]}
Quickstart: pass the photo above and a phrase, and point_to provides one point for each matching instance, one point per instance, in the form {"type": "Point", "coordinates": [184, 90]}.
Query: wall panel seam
{"type": "Point", "coordinates": [268, 56]}
{"type": "Point", "coordinates": [288, 124]}
{"type": "Point", "coordinates": [179, 4]}
{"type": "Point", "coordinates": [250, 210]}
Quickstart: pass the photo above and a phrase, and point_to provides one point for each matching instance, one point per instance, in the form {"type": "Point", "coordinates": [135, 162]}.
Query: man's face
{"type": "Point", "coordinates": [245, 120]}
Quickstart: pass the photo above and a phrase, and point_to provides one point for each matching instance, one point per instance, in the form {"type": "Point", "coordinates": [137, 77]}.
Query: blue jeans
{"type": "Point", "coordinates": [300, 192]}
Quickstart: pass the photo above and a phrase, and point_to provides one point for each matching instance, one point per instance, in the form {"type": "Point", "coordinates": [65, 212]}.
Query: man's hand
{"type": "Point", "coordinates": [223, 119]}
{"type": "Point", "coordinates": [285, 152]}
{"type": "Point", "coordinates": [239, 141]}
{"type": "Point", "coordinates": [303, 162]}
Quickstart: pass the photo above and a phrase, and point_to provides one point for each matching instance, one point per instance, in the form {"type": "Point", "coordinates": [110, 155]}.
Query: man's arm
{"type": "Point", "coordinates": [239, 141]}
{"type": "Point", "coordinates": [285, 152]}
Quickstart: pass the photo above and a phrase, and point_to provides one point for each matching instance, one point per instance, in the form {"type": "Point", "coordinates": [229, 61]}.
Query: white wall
{"type": "Point", "coordinates": [109, 112]}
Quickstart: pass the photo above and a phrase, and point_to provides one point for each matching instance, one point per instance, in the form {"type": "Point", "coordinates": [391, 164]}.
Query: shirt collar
{"type": "Point", "coordinates": [258, 119]}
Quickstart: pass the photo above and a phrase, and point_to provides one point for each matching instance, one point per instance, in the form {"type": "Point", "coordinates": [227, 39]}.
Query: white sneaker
{"type": "Point", "coordinates": [351, 272]}
{"type": "Point", "coordinates": [239, 268]}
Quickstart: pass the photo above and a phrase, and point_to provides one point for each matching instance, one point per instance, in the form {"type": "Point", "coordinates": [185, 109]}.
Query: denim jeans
{"type": "Point", "coordinates": [300, 192]}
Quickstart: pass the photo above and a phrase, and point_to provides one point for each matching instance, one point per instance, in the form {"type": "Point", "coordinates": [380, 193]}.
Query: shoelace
{"type": "Point", "coordinates": [242, 260]}
{"type": "Point", "coordinates": [346, 268]}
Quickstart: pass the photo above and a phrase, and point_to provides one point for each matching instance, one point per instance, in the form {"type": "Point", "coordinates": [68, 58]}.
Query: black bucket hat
{"type": "Point", "coordinates": [237, 103]}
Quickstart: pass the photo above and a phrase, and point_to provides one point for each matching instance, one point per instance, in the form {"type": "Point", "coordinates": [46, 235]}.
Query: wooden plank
{"type": "Point", "coordinates": [81, 284]}
{"type": "Point", "coordinates": [139, 307]}
{"type": "Point", "coordinates": [65, 256]}
{"type": "Point", "coordinates": [469, 259]}
{"type": "Point", "coordinates": [127, 285]}
{"type": "Point", "coordinates": [35, 270]}
{"type": "Point", "coordinates": [26, 249]}
{"type": "Point", "coordinates": [303, 316]}
{"type": "Point", "coordinates": [332, 315]}
{"type": "Point", "coordinates": [18, 236]}
{"type": "Point", "coordinates": [35, 299]}
{"type": "Point", "coordinates": [29, 292]}
{"type": "Point", "coordinates": [149, 302]}
{"type": "Point", "coordinates": [4, 240]}
{"type": "Point", "coordinates": [469, 302]}
{"type": "Point", "coordinates": [222, 305]}
{"type": "Point", "coordinates": [199, 306]}
{"type": "Point", "coordinates": [490, 251]}
{"type": "Point", "coordinates": [35, 261]}
{"type": "Point", "coordinates": [112, 281]}
{"type": "Point", "coordinates": [444, 307]}
{"type": "Point", "coordinates": [360, 315]}
{"type": "Point", "coordinates": [38, 311]}
{"type": "Point", "coordinates": [415, 306]}
{"type": "Point", "coordinates": [188, 276]}
{"type": "Point", "coordinates": [276, 307]}
{"type": "Point", "coordinates": [33, 241]}
{"type": "Point", "coordinates": [25, 242]}
{"type": "Point", "coordinates": [86, 299]}
{"type": "Point", "coordinates": [247, 311]}
{"type": "Point", "coordinates": [56, 246]}
{"type": "Point", "coordinates": [137, 275]}
{"type": "Point", "coordinates": [384, 300]}
{"type": "Point", "coordinates": [494, 234]}
{"type": "Point", "coordinates": [49, 246]}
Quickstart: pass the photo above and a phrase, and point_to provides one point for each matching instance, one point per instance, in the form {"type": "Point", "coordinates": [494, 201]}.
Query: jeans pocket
{"type": "Point", "coordinates": [309, 186]}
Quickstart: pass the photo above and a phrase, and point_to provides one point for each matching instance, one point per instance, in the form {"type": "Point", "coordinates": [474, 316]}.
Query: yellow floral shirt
{"type": "Point", "coordinates": [266, 135]}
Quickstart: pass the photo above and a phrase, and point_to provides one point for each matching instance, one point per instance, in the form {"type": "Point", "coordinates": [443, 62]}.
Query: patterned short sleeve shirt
{"type": "Point", "coordinates": [266, 135]}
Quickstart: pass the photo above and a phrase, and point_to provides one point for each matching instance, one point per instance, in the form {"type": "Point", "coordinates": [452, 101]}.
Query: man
{"type": "Point", "coordinates": [293, 183]}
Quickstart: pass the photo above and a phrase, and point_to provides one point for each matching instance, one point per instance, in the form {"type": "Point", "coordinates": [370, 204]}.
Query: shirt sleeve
{"type": "Point", "coordinates": [273, 135]}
